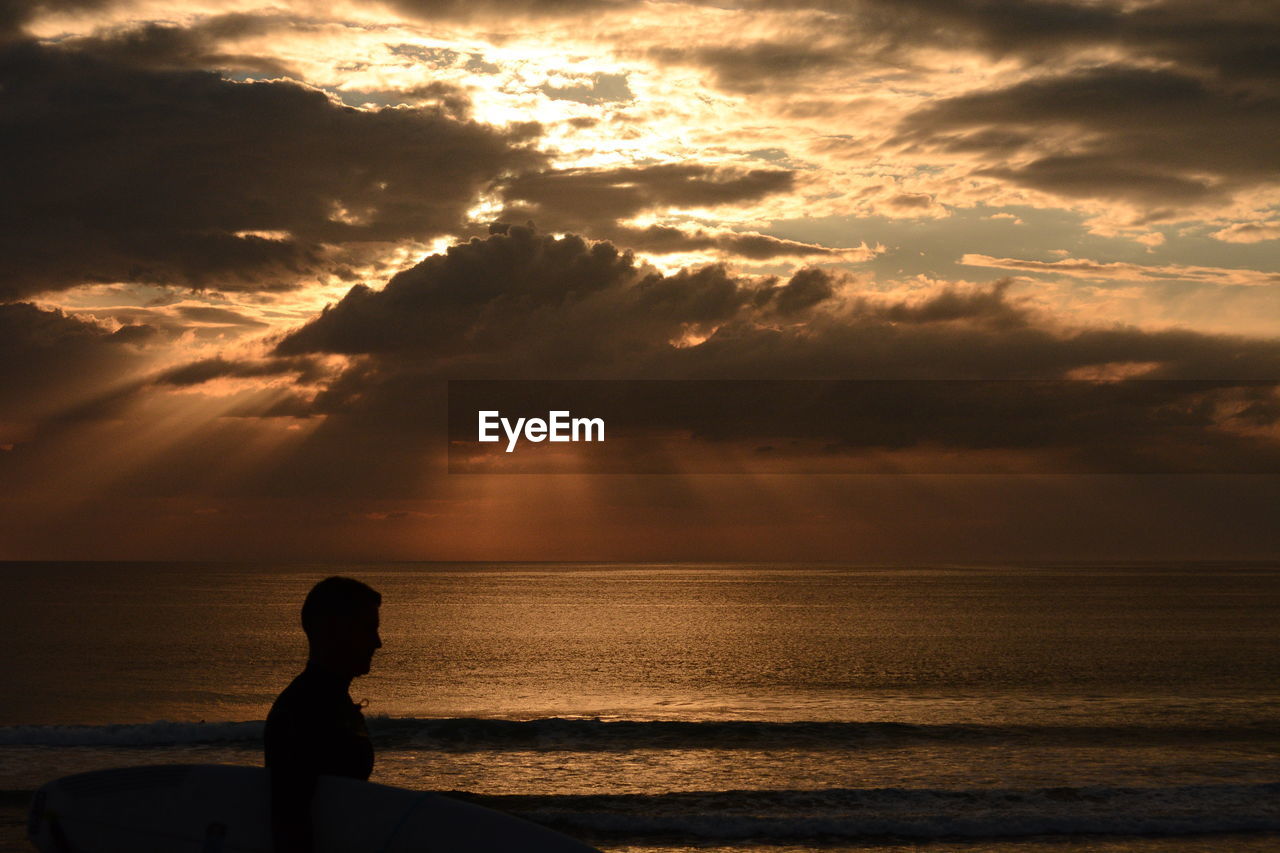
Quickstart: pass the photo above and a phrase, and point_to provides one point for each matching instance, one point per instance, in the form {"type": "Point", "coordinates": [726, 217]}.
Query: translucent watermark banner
{"type": "Point", "coordinates": [814, 427]}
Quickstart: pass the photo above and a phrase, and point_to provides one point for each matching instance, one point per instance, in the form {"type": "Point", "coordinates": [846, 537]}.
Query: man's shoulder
{"type": "Point", "coordinates": [309, 697]}
{"type": "Point", "coordinates": [294, 702]}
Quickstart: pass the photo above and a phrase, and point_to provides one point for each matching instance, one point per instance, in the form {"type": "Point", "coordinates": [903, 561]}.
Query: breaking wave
{"type": "Point", "coordinates": [473, 734]}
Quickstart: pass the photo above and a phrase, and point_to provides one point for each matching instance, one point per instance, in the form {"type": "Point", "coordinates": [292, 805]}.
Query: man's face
{"type": "Point", "coordinates": [360, 639]}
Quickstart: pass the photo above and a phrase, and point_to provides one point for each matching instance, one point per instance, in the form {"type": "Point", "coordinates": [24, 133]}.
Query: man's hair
{"type": "Point", "coordinates": [336, 597]}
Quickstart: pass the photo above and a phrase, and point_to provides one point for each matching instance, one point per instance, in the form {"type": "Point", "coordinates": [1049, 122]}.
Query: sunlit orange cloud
{"type": "Point", "coordinates": [1249, 232]}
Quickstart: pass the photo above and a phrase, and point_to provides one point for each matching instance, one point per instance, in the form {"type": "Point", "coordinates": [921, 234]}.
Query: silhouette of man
{"type": "Point", "coordinates": [314, 729]}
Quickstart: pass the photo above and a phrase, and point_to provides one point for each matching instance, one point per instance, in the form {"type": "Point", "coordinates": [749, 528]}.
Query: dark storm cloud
{"type": "Point", "coordinates": [1152, 136]}
{"type": "Point", "coordinates": [586, 198]}
{"type": "Point", "coordinates": [127, 174]}
{"type": "Point", "coordinates": [520, 305]}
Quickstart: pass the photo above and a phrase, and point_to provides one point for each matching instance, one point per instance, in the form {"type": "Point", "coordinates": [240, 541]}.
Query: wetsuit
{"type": "Point", "coordinates": [314, 729]}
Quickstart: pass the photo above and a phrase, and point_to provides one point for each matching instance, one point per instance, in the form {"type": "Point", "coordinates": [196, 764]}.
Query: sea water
{"type": "Point", "coordinates": [677, 707]}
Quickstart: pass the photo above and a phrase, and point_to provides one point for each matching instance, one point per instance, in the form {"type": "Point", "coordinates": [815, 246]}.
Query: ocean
{"type": "Point", "coordinates": [729, 707]}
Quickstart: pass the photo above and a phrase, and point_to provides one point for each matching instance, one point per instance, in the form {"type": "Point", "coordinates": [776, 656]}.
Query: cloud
{"type": "Point", "coordinates": [811, 41]}
{"type": "Point", "coordinates": [1249, 232]}
{"type": "Point", "coordinates": [760, 66]}
{"type": "Point", "coordinates": [49, 361]}
{"type": "Point", "coordinates": [556, 301]}
{"type": "Point", "coordinates": [526, 305]}
{"type": "Point", "coordinates": [160, 46]}
{"type": "Point", "coordinates": [219, 316]}
{"type": "Point", "coordinates": [1056, 426]}
{"type": "Point", "coordinates": [523, 304]}
{"type": "Point", "coordinates": [519, 305]}
{"type": "Point", "coordinates": [1124, 271]}
{"type": "Point", "coordinates": [578, 198]}
{"type": "Point", "coordinates": [303, 370]}
{"type": "Point", "coordinates": [597, 202]}
{"type": "Point", "coordinates": [1233, 39]}
{"type": "Point", "coordinates": [806, 289]}
{"type": "Point", "coordinates": [904, 205]}
{"type": "Point", "coordinates": [592, 89]}
{"type": "Point", "coordinates": [666, 239]}
{"type": "Point", "coordinates": [480, 10]}
{"type": "Point", "coordinates": [15, 15]}
{"type": "Point", "coordinates": [131, 174]}
{"type": "Point", "coordinates": [990, 307]}
{"type": "Point", "coordinates": [1161, 106]}
{"type": "Point", "coordinates": [1147, 136]}
{"type": "Point", "coordinates": [911, 200]}
{"type": "Point", "coordinates": [447, 97]}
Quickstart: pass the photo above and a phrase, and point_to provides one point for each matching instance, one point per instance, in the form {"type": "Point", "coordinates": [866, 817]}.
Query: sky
{"type": "Point", "coordinates": [245, 247]}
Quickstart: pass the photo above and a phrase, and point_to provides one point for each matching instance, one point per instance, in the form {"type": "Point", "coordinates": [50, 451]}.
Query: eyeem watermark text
{"type": "Point", "coordinates": [558, 426]}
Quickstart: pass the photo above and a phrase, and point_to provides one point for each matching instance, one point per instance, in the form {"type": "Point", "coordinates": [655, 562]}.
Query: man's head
{"type": "Point", "coordinates": [340, 618]}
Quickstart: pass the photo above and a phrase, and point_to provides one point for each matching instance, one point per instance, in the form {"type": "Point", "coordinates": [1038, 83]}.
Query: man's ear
{"type": "Point", "coordinates": [324, 629]}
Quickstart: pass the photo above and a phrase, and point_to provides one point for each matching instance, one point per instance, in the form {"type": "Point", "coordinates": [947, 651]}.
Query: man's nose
{"type": "Point", "coordinates": [377, 641]}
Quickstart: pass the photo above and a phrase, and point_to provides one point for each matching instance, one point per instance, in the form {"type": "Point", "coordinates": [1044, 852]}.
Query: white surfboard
{"type": "Point", "coordinates": [212, 808]}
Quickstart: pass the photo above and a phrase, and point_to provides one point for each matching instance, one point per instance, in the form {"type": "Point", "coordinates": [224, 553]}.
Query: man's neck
{"type": "Point", "coordinates": [322, 667]}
